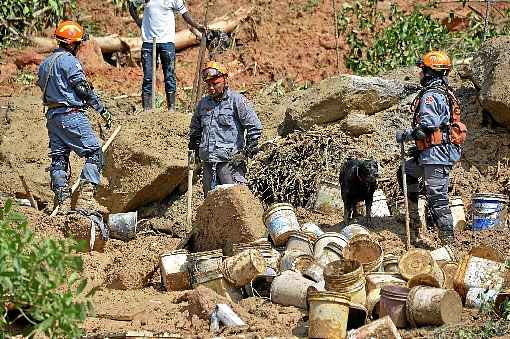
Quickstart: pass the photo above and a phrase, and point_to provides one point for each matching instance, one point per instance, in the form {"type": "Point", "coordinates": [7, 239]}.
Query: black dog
{"type": "Point", "coordinates": [358, 181]}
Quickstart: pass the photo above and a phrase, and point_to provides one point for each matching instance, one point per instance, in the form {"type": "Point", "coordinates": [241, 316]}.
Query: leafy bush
{"type": "Point", "coordinates": [21, 17]}
{"type": "Point", "coordinates": [39, 279]}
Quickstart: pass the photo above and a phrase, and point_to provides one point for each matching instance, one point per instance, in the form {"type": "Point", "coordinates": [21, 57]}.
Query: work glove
{"type": "Point", "coordinates": [238, 159]}
{"type": "Point", "coordinates": [413, 152]}
{"type": "Point", "coordinates": [194, 143]}
{"type": "Point", "coordinates": [251, 149]}
{"type": "Point", "coordinates": [107, 117]}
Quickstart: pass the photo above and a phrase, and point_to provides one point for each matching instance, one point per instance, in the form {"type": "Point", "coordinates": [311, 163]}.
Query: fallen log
{"type": "Point", "coordinates": [183, 39]}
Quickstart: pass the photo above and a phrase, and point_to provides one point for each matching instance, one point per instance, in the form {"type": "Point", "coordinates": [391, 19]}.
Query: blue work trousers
{"type": "Point", "coordinates": [166, 53]}
{"type": "Point", "coordinates": [72, 132]}
{"type": "Point", "coordinates": [221, 173]}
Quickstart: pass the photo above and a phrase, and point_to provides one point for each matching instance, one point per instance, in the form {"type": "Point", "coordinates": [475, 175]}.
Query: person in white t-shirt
{"type": "Point", "coordinates": [159, 21]}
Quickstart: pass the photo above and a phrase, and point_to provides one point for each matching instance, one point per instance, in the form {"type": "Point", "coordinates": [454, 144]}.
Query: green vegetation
{"type": "Point", "coordinates": [39, 280]}
{"type": "Point", "coordinates": [21, 17]}
{"type": "Point", "coordinates": [382, 40]}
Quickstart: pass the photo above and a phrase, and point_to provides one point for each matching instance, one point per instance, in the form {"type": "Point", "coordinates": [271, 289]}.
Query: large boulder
{"type": "Point", "coordinates": [490, 73]}
{"type": "Point", "coordinates": [334, 98]}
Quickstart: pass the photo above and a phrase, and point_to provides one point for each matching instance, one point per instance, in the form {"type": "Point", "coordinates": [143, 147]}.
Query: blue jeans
{"type": "Point", "coordinates": [166, 52]}
{"type": "Point", "coordinates": [72, 132]}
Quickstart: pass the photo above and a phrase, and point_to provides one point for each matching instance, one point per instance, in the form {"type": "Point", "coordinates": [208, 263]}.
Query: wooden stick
{"type": "Point", "coordinates": [153, 91]}
{"type": "Point", "coordinates": [404, 186]}
{"type": "Point", "coordinates": [27, 191]}
{"type": "Point", "coordinates": [191, 167]}
{"type": "Point", "coordinates": [77, 182]}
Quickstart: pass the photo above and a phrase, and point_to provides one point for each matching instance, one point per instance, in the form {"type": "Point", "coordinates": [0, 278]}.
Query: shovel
{"type": "Point", "coordinates": [404, 188]}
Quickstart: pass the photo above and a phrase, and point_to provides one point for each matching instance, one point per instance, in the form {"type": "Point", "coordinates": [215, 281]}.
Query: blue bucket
{"type": "Point", "coordinates": [489, 210]}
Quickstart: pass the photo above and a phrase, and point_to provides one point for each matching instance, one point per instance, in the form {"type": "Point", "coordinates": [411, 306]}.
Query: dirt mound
{"type": "Point", "coordinates": [215, 228]}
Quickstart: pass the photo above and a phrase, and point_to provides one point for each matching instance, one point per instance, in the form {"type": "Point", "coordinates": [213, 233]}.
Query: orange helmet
{"type": "Point", "coordinates": [69, 31]}
{"type": "Point", "coordinates": [436, 60]}
{"type": "Point", "coordinates": [213, 69]}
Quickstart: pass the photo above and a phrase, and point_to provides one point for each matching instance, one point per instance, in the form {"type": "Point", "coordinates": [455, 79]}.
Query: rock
{"type": "Point", "coordinates": [28, 57]}
{"type": "Point", "coordinates": [7, 72]}
{"type": "Point", "coordinates": [147, 161]}
{"type": "Point", "coordinates": [227, 216]}
{"type": "Point", "coordinates": [358, 124]}
{"type": "Point", "coordinates": [334, 98]}
{"type": "Point", "coordinates": [91, 57]}
{"type": "Point", "coordinates": [490, 73]}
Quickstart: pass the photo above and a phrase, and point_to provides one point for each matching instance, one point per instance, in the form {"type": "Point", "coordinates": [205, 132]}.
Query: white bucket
{"type": "Point", "coordinates": [280, 221]}
{"type": "Point", "coordinates": [174, 270]}
{"type": "Point", "coordinates": [353, 229]}
{"type": "Point", "coordinates": [310, 227]}
{"type": "Point", "coordinates": [478, 296]}
{"type": "Point", "coordinates": [444, 253]}
{"type": "Point", "coordinates": [479, 272]}
{"type": "Point", "coordinates": [380, 206]}
{"type": "Point", "coordinates": [325, 239]}
{"type": "Point", "coordinates": [458, 213]}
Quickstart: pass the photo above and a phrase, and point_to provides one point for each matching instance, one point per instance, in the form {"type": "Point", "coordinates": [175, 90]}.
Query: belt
{"type": "Point", "coordinates": [52, 105]}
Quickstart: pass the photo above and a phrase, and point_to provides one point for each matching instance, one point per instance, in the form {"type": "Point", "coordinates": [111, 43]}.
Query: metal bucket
{"type": "Point", "coordinates": [123, 225]}
{"type": "Point", "coordinates": [419, 261]}
{"type": "Point", "coordinates": [379, 205]}
{"type": "Point", "coordinates": [216, 282]}
{"type": "Point", "coordinates": [393, 303]}
{"type": "Point", "coordinates": [241, 268]}
{"type": "Point", "coordinates": [433, 306]}
{"type": "Point", "coordinates": [478, 272]}
{"type": "Point", "coordinates": [390, 263]}
{"type": "Point", "coordinates": [444, 253]}
{"type": "Point", "coordinates": [353, 229]}
{"type": "Point", "coordinates": [458, 213]}
{"type": "Point", "coordinates": [476, 297]}
{"type": "Point", "coordinates": [174, 270]}
{"type": "Point", "coordinates": [327, 238]}
{"type": "Point", "coordinates": [368, 252]}
{"type": "Point", "coordinates": [280, 220]}
{"type": "Point", "coordinates": [299, 242]}
{"type": "Point", "coordinates": [489, 210]}
{"type": "Point", "coordinates": [203, 262]}
{"type": "Point", "coordinates": [346, 276]}
{"type": "Point", "coordinates": [328, 313]}
{"type": "Point", "coordinates": [310, 227]}
{"type": "Point", "coordinates": [381, 328]}
{"type": "Point", "coordinates": [291, 289]}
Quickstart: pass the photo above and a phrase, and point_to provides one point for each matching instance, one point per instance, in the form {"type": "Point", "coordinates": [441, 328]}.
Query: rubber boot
{"type": "Point", "coordinates": [170, 100]}
{"type": "Point", "coordinates": [62, 199]}
{"type": "Point", "coordinates": [417, 224]}
{"type": "Point", "coordinates": [84, 198]}
{"type": "Point", "coordinates": [445, 226]}
{"type": "Point", "coordinates": [146, 102]}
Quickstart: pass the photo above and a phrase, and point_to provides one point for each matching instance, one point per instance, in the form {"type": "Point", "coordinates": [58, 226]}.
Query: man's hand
{"type": "Point", "coordinates": [201, 28]}
{"type": "Point", "coordinates": [107, 117]}
{"type": "Point", "coordinates": [238, 159]}
{"type": "Point", "coordinates": [252, 150]}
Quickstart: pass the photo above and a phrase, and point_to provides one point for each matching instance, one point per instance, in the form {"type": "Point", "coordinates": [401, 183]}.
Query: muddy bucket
{"type": "Point", "coordinates": [478, 272]}
{"type": "Point", "coordinates": [260, 286]}
{"type": "Point", "coordinates": [312, 228]}
{"type": "Point", "coordinates": [449, 269]}
{"type": "Point", "coordinates": [299, 242]}
{"type": "Point", "coordinates": [393, 303]}
{"type": "Point", "coordinates": [241, 268]}
{"type": "Point", "coordinates": [433, 306]}
{"type": "Point", "coordinates": [444, 253]}
{"type": "Point", "coordinates": [425, 279]}
{"type": "Point", "coordinates": [327, 238]}
{"type": "Point", "coordinates": [367, 252]}
{"type": "Point", "coordinates": [489, 210]}
{"type": "Point", "coordinates": [458, 213]}
{"type": "Point", "coordinates": [477, 297]}
{"type": "Point", "coordinates": [346, 276]}
{"type": "Point", "coordinates": [174, 270]}
{"type": "Point", "coordinates": [216, 282]}
{"type": "Point", "coordinates": [390, 263]}
{"type": "Point", "coordinates": [328, 194]}
{"type": "Point", "coordinates": [295, 261]}
{"type": "Point", "coordinates": [379, 205]}
{"type": "Point", "coordinates": [327, 313]}
{"type": "Point", "coordinates": [419, 261]}
{"type": "Point", "coordinates": [353, 229]}
{"type": "Point", "coordinates": [501, 302]}
{"type": "Point", "coordinates": [123, 225]}
{"type": "Point", "coordinates": [280, 220]}
{"type": "Point", "coordinates": [203, 262]}
{"type": "Point", "coordinates": [291, 289]}
{"type": "Point", "coordinates": [382, 328]}
{"type": "Point", "coordinates": [377, 280]}
{"type": "Point", "coordinates": [332, 252]}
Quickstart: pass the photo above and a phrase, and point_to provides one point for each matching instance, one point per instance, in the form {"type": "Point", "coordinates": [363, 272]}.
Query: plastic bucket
{"type": "Point", "coordinates": [393, 303]}
{"type": "Point", "coordinates": [346, 276]}
{"type": "Point", "coordinates": [327, 238]}
{"type": "Point", "coordinates": [489, 210]}
{"type": "Point", "coordinates": [458, 213]}
{"type": "Point", "coordinates": [478, 272]}
{"type": "Point", "coordinates": [300, 242]}
{"type": "Point", "coordinates": [291, 289]}
{"type": "Point", "coordinates": [379, 205]}
{"type": "Point", "coordinates": [123, 225]}
{"type": "Point", "coordinates": [329, 194]}
{"type": "Point", "coordinates": [381, 328]}
{"type": "Point", "coordinates": [280, 220]}
{"type": "Point", "coordinates": [433, 306]}
{"type": "Point", "coordinates": [444, 253]}
{"type": "Point", "coordinates": [367, 252]}
{"type": "Point", "coordinates": [377, 280]}
{"type": "Point", "coordinates": [310, 227]}
{"type": "Point", "coordinates": [353, 229]}
{"type": "Point", "coordinates": [419, 261]}
{"type": "Point", "coordinates": [476, 297]}
{"type": "Point", "coordinates": [327, 313]}
{"type": "Point", "coordinates": [241, 268]}
{"type": "Point", "coordinates": [390, 263]}
{"type": "Point", "coordinates": [174, 270]}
